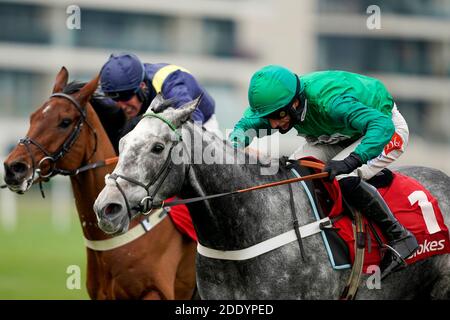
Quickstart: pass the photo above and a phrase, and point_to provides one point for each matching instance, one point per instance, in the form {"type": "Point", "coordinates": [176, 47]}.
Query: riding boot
{"type": "Point", "coordinates": [401, 243]}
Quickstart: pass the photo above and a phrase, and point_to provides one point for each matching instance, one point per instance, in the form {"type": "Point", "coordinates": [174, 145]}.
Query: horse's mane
{"type": "Point", "coordinates": [167, 105]}
{"type": "Point", "coordinates": [75, 86]}
{"type": "Point", "coordinates": [110, 115]}
{"type": "Point", "coordinates": [161, 105]}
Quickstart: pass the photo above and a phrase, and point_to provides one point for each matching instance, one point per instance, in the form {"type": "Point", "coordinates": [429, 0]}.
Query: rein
{"type": "Point", "coordinates": [305, 163]}
{"type": "Point", "coordinates": [90, 166]}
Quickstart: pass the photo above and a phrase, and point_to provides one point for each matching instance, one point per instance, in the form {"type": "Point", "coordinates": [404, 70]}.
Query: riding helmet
{"type": "Point", "coordinates": [271, 88]}
{"type": "Point", "coordinates": [122, 72]}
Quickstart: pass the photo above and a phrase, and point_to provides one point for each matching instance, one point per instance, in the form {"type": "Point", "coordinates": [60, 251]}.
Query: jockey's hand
{"type": "Point", "coordinates": [254, 152]}
{"type": "Point", "coordinates": [337, 167]}
{"type": "Point", "coordinates": [262, 157]}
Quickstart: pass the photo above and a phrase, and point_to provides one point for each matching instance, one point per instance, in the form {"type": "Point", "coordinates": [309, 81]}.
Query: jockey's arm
{"type": "Point", "coordinates": [176, 89]}
{"type": "Point", "coordinates": [246, 129]}
{"type": "Point", "coordinates": [376, 127]}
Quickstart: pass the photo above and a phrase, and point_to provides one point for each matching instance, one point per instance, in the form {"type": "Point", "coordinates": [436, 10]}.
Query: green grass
{"type": "Point", "coordinates": [34, 258]}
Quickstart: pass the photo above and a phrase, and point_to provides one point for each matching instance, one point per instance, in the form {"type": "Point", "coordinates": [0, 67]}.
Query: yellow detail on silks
{"type": "Point", "coordinates": [161, 75]}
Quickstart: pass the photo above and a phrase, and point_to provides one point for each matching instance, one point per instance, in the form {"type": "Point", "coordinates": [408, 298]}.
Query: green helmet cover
{"type": "Point", "coordinates": [271, 88]}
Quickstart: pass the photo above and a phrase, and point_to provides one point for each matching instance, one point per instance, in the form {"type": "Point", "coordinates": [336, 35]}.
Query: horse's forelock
{"type": "Point", "coordinates": [160, 105]}
{"type": "Point", "coordinates": [73, 87]}
{"type": "Point", "coordinates": [146, 128]}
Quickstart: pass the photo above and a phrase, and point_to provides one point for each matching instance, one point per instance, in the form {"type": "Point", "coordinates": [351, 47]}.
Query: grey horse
{"type": "Point", "coordinates": [240, 221]}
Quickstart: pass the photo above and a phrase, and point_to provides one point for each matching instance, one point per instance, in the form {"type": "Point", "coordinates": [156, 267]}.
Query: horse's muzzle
{"type": "Point", "coordinates": [115, 224]}
{"type": "Point", "coordinates": [111, 215]}
{"type": "Point", "coordinates": [17, 176]}
{"type": "Point", "coordinates": [112, 228]}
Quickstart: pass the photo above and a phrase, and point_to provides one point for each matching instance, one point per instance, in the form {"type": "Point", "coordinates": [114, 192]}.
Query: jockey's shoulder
{"type": "Point", "coordinates": [152, 68]}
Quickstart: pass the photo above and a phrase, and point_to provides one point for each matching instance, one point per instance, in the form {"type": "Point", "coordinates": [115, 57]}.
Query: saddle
{"type": "Point", "coordinates": [406, 198]}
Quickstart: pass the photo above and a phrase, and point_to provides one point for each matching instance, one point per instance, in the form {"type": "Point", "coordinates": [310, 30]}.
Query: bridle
{"type": "Point", "coordinates": [145, 206]}
{"type": "Point", "coordinates": [52, 158]}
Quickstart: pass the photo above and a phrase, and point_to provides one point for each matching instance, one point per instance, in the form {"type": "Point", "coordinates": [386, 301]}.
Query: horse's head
{"type": "Point", "coordinates": [56, 129]}
{"type": "Point", "coordinates": [146, 172]}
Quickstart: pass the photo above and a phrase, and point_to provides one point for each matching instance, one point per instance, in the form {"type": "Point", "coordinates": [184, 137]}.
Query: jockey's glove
{"type": "Point", "coordinates": [337, 167]}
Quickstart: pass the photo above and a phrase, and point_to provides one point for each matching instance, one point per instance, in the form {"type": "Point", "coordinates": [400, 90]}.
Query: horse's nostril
{"type": "Point", "coordinates": [18, 168]}
{"type": "Point", "coordinates": [112, 209]}
{"type": "Point", "coordinates": [14, 171]}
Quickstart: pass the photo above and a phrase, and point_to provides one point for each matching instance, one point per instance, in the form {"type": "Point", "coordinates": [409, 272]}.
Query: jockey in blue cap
{"type": "Point", "coordinates": [133, 85]}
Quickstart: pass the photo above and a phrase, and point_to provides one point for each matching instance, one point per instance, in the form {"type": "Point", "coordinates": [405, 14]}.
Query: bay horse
{"type": "Point", "coordinates": [158, 265]}
{"type": "Point", "coordinates": [243, 220]}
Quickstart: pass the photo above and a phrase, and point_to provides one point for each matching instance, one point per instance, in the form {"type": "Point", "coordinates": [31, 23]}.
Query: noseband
{"type": "Point", "coordinates": [145, 205]}
{"type": "Point", "coordinates": [52, 158]}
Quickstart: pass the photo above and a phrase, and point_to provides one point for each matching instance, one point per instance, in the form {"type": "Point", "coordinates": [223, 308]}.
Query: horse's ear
{"type": "Point", "coordinates": [86, 92]}
{"type": "Point", "coordinates": [185, 111]}
{"type": "Point", "coordinates": [61, 80]}
{"type": "Point", "coordinates": [159, 104]}
{"type": "Point", "coordinates": [155, 106]}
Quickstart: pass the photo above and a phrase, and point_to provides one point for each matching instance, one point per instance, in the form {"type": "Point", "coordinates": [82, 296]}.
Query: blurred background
{"type": "Point", "coordinates": [222, 42]}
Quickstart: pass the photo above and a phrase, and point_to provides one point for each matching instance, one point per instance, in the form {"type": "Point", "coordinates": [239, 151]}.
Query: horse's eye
{"type": "Point", "coordinates": [65, 123]}
{"type": "Point", "coordinates": [158, 148]}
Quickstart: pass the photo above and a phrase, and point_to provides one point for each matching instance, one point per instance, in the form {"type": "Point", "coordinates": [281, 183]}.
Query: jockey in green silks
{"type": "Point", "coordinates": [350, 122]}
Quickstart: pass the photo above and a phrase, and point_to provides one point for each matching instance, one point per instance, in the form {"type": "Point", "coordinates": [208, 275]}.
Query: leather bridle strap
{"type": "Point", "coordinates": [144, 206]}
{"type": "Point", "coordinates": [33, 167]}
{"type": "Point", "coordinates": [90, 166]}
{"type": "Point", "coordinates": [71, 99]}
{"type": "Point", "coordinates": [114, 177]}
{"type": "Point", "coordinates": [295, 222]}
{"type": "Point", "coordinates": [65, 148]}
{"type": "Point", "coordinates": [166, 121]}
{"type": "Point", "coordinates": [83, 118]}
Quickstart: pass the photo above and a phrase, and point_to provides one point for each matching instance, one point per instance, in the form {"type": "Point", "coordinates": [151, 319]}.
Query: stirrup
{"type": "Point", "coordinates": [397, 262]}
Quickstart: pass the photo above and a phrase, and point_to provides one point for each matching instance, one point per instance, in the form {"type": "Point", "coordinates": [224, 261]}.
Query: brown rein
{"type": "Point", "coordinates": [306, 163]}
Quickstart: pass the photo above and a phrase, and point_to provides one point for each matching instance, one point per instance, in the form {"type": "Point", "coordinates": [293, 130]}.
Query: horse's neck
{"type": "Point", "coordinates": [223, 176]}
{"type": "Point", "coordinates": [269, 208]}
{"type": "Point", "coordinates": [87, 185]}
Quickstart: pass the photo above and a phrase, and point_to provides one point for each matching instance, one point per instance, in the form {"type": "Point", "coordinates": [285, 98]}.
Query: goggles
{"type": "Point", "coordinates": [121, 95]}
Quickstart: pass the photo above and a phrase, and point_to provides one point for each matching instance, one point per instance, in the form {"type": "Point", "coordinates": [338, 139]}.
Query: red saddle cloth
{"type": "Point", "coordinates": [414, 207]}
{"type": "Point", "coordinates": [182, 219]}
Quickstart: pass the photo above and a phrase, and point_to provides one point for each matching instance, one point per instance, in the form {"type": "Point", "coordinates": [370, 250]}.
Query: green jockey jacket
{"type": "Point", "coordinates": [340, 106]}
